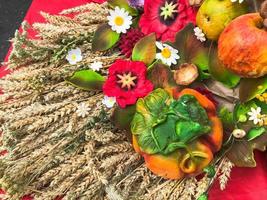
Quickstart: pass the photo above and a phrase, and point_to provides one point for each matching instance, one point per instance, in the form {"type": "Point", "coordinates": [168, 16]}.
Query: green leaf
{"type": "Point", "coordinates": [161, 76]}
{"type": "Point", "coordinates": [191, 50]}
{"type": "Point", "coordinates": [249, 88]}
{"type": "Point", "coordinates": [155, 102]}
{"type": "Point", "coordinates": [104, 38]}
{"type": "Point", "coordinates": [150, 111]}
{"type": "Point", "coordinates": [227, 118]}
{"type": "Point", "coordinates": [174, 146]}
{"type": "Point", "coordinates": [241, 153]}
{"type": "Point", "coordinates": [86, 80]}
{"type": "Point", "coordinates": [145, 49]}
{"type": "Point", "coordinates": [163, 124]}
{"type": "Point", "coordinates": [204, 196]}
{"type": "Point", "coordinates": [167, 127]}
{"type": "Point", "coordinates": [241, 117]}
{"type": "Point", "coordinates": [188, 130]}
{"type": "Point", "coordinates": [241, 109]}
{"type": "Point", "coordinates": [255, 132]}
{"type": "Point", "coordinates": [123, 4]}
{"type": "Point", "coordinates": [122, 118]}
{"type": "Point", "coordinates": [188, 107]}
{"type": "Point", "coordinates": [210, 171]}
{"type": "Point", "coordinates": [219, 72]}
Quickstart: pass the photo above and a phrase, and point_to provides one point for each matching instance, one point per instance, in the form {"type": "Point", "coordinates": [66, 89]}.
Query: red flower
{"type": "Point", "coordinates": [127, 82]}
{"type": "Point", "coordinates": [166, 17]}
{"type": "Point", "coordinates": [128, 41]}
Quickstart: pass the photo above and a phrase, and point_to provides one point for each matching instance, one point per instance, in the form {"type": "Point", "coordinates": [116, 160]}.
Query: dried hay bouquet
{"type": "Point", "coordinates": [133, 100]}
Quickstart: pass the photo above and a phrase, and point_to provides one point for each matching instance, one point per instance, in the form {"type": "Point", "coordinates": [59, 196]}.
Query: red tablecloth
{"type": "Point", "coordinates": [245, 183]}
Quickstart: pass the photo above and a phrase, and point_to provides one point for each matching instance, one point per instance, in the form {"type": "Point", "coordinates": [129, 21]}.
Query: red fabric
{"type": "Point", "coordinates": [245, 183]}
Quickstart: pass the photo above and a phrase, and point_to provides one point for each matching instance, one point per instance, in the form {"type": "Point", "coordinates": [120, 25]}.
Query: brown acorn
{"type": "Point", "coordinates": [186, 74]}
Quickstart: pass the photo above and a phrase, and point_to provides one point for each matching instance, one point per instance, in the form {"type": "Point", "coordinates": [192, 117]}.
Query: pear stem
{"type": "Point", "coordinates": [263, 13]}
{"type": "Point", "coordinates": [256, 6]}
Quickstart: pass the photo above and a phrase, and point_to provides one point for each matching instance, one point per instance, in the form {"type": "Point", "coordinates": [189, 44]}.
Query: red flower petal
{"type": "Point", "coordinates": [151, 21]}
{"type": "Point", "coordinates": [128, 41]}
{"type": "Point", "coordinates": [127, 97]}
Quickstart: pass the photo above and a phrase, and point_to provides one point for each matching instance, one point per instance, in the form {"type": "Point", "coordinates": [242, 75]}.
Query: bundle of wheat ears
{"type": "Point", "coordinates": [52, 152]}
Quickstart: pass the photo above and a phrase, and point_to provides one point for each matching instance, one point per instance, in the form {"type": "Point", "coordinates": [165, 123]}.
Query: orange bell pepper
{"type": "Point", "coordinates": [180, 164]}
{"type": "Point", "coordinates": [207, 104]}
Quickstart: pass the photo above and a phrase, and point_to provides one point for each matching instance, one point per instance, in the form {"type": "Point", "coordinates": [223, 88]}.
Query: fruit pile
{"type": "Point", "coordinates": [185, 62]}
{"type": "Point", "coordinates": [242, 38]}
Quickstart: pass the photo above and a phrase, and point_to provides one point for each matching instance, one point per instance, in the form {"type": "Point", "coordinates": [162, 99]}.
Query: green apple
{"type": "Point", "coordinates": [214, 15]}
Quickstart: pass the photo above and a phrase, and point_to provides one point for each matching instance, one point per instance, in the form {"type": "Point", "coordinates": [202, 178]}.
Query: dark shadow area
{"type": "Point", "coordinates": [12, 13]}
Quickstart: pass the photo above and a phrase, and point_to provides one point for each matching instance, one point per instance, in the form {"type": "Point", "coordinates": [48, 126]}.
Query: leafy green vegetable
{"type": "Point", "coordinates": [86, 80]}
{"type": "Point", "coordinates": [145, 49]}
{"type": "Point", "coordinates": [189, 130]}
{"type": "Point", "coordinates": [255, 132]}
{"type": "Point", "coordinates": [168, 128]}
{"type": "Point", "coordinates": [189, 106]}
{"type": "Point", "coordinates": [104, 38]}
{"type": "Point", "coordinates": [163, 124]}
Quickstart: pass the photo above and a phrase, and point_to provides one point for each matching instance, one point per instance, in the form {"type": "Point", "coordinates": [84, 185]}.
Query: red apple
{"type": "Point", "coordinates": [242, 46]}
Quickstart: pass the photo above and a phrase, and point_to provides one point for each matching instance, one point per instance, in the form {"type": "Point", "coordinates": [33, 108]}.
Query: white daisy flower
{"type": "Point", "coordinates": [3, 196]}
{"type": "Point", "coordinates": [240, 1]}
{"type": "Point", "coordinates": [255, 115]}
{"type": "Point", "coordinates": [82, 110]}
{"type": "Point", "coordinates": [199, 34]}
{"type": "Point", "coordinates": [74, 56]}
{"type": "Point", "coordinates": [119, 20]}
{"type": "Point", "coordinates": [96, 66]}
{"type": "Point", "coordinates": [168, 54]}
{"type": "Point", "coordinates": [109, 101]}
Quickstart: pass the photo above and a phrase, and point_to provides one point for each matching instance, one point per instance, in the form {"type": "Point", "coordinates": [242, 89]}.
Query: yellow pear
{"type": "Point", "coordinates": [214, 15]}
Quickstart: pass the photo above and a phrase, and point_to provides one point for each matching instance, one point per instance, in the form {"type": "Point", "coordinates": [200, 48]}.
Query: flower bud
{"type": "Point", "coordinates": [239, 133]}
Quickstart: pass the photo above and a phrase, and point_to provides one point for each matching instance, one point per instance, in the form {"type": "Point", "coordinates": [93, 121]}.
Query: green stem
{"type": "Point", "coordinates": [215, 176]}
{"type": "Point", "coordinates": [255, 6]}
{"type": "Point", "coordinates": [220, 160]}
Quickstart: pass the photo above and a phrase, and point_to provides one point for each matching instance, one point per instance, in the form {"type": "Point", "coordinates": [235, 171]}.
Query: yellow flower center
{"type": "Point", "coordinates": [73, 57]}
{"type": "Point", "coordinates": [110, 100]}
{"type": "Point", "coordinates": [126, 80]}
{"type": "Point", "coordinates": [166, 53]}
{"type": "Point", "coordinates": [168, 10]}
{"type": "Point", "coordinates": [119, 21]}
{"type": "Point", "coordinates": [260, 87]}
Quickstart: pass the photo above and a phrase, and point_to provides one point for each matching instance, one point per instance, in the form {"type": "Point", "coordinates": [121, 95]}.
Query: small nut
{"type": "Point", "coordinates": [239, 133]}
{"type": "Point", "coordinates": [186, 74]}
{"type": "Point", "coordinates": [195, 2]}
